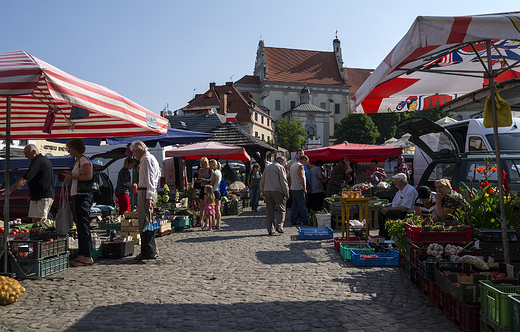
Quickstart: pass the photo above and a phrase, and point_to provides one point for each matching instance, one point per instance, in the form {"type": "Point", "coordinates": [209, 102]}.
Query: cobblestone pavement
{"type": "Point", "coordinates": [237, 278]}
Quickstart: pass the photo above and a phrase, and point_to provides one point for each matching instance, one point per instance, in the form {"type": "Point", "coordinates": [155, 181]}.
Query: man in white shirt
{"type": "Point", "coordinates": [298, 191]}
{"type": "Point", "coordinates": [402, 204]}
{"type": "Point", "coordinates": [149, 174]}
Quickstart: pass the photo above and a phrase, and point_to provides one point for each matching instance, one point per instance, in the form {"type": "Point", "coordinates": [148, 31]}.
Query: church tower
{"type": "Point", "coordinates": [339, 58]}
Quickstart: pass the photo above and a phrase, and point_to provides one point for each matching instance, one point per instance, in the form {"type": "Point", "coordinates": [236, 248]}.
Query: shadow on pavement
{"type": "Point", "coordinates": [355, 314]}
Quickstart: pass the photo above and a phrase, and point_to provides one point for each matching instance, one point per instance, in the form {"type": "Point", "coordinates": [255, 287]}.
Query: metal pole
{"type": "Point", "coordinates": [7, 177]}
{"type": "Point", "coordinates": [503, 221]}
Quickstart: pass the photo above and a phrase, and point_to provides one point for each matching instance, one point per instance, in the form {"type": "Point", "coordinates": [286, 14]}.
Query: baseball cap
{"type": "Point", "coordinates": [400, 176]}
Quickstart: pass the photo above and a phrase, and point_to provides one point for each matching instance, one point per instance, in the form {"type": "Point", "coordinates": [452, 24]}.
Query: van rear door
{"type": "Point", "coordinates": [433, 139]}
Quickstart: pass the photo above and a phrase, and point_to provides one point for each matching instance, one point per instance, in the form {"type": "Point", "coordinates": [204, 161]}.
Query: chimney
{"type": "Point", "coordinates": [229, 83]}
{"type": "Point", "coordinates": [212, 85]}
{"type": "Point", "coordinates": [223, 104]}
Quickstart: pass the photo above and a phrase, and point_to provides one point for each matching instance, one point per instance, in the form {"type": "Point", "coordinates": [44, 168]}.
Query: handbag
{"type": "Point", "coordinates": [64, 218]}
{"type": "Point", "coordinates": [90, 186]}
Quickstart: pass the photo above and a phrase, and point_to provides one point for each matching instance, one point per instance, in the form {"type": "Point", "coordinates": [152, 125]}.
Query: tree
{"type": "Point", "coordinates": [356, 128]}
{"type": "Point", "coordinates": [289, 135]}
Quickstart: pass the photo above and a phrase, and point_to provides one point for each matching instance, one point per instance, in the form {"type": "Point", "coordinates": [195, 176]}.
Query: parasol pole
{"type": "Point", "coordinates": [7, 178]}
{"type": "Point", "coordinates": [503, 221]}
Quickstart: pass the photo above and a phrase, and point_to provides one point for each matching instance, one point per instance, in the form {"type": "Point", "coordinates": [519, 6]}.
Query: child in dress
{"type": "Point", "coordinates": [209, 208]}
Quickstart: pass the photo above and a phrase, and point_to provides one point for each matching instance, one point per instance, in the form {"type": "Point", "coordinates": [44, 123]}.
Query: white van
{"type": "Point", "coordinates": [470, 135]}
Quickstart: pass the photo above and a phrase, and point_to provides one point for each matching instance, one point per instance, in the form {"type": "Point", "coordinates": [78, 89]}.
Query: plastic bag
{"type": "Point", "coordinates": [504, 117]}
{"type": "Point", "coordinates": [475, 261]}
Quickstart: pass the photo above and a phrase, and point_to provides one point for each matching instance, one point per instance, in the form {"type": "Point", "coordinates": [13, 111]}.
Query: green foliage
{"type": "Point", "coordinates": [356, 128]}
{"type": "Point", "coordinates": [290, 135]}
{"type": "Point", "coordinates": [480, 207]}
{"type": "Point", "coordinates": [397, 229]}
{"type": "Point", "coordinates": [162, 200]}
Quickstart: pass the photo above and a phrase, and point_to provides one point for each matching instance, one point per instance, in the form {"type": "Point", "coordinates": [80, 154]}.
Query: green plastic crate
{"type": "Point", "coordinates": [109, 225]}
{"type": "Point", "coordinates": [345, 248]}
{"type": "Point", "coordinates": [44, 267]}
{"type": "Point", "coordinates": [514, 301]}
{"type": "Point", "coordinates": [495, 302]}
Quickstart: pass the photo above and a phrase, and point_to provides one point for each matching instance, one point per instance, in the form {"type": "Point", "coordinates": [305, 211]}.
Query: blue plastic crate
{"type": "Point", "coordinates": [316, 233]}
{"type": "Point", "coordinates": [390, 258]}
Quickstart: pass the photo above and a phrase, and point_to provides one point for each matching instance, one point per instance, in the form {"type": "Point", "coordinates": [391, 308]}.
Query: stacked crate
{"type": "Point", "coordinates": [131, 227]}
{"type": "Point", "coordinates": [45, 255]}
{"type": "Point", "coordinates": [444, 284]}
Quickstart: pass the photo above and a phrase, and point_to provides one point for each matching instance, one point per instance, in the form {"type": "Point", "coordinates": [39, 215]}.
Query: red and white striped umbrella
{"type": "Point", "coordinates": [41, 92]}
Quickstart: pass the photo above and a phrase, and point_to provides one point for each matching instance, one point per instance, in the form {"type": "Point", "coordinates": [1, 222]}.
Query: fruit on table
{"type": "Point", "coordinates": [10, 290]}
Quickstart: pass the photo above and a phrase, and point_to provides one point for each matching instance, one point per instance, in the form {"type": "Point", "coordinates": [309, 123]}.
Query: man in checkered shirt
{"type": "Point", "coordinates": [402, 167]}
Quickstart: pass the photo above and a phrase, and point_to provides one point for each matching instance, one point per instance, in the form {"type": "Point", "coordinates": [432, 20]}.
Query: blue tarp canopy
{"type": "Point", "coordinates": [173, 136]}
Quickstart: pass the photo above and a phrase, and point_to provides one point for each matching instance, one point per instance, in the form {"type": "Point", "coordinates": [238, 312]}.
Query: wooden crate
{"type": "Point", "coordinates": [135, 235]}
{"type": "Point", "coordinates": [130, 222]}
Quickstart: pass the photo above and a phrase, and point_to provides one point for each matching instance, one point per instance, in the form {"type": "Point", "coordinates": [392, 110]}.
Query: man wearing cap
{"type": "Point", "coordinates": [402, 204]}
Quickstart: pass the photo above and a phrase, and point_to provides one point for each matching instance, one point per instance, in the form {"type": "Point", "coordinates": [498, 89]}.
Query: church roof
{"type": "Point", "coordinates": [292, 65]}
{"type": "Point", "coordinates": [306, 107]}
{"type": "Point", "coordinates": [356, 77]}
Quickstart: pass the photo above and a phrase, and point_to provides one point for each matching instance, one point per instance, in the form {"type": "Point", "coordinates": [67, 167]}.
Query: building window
{"type": "Point", "coordinates": [323, 105]}
{"type": "Point", "coordinates": [24, 142]}
{"type": "Point", "coordinates": [256, 133]}
{"type": "Point", "coordinates": [293, 104]}
{"type": "Point", "coordinates": [268, 138]}
{"type": "Point", "coordinates": [268, 123]}
{"type": "Point", "coordinates": [336, 108]}
{"type": "Point", "coordinates": [277, 105]}
{"type": "Point", "coordinates": [311, 132]}
{"type": "Point", "coordinates": [256, 116]}
{"type": "Point", "coordinates": [262, 119]}
{"type": "Point", "coordinates": [262, 137]}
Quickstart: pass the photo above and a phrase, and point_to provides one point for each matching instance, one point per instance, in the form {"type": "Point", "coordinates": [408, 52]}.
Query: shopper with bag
{"type": "Point", "coordinates": [83, 184]}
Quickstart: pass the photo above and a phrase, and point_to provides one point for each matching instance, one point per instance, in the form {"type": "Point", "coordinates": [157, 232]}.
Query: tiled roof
{"type": "Point", "coordinates": [356, 77]}
{"type": "Point", "coordinates": [307, 107]}
{"type": "Point", "coordinates": [237, 102]}
{"type": "Point", "coordinates": [196, 122]}
{"type": "Point", "coordinates": [230, 133]}
{"type": "Point", "coordinates": [313, 67]}
{"type": "Point", "coordinates": [249, 79]}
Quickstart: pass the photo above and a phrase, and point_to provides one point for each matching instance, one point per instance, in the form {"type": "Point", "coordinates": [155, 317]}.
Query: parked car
{"type": "Point", "coordinates": [104, 201]}
{"type": "Point", "coordinates": [448, 162]}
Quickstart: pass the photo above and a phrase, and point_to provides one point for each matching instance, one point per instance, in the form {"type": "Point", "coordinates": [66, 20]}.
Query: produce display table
{"type": "Point", "coordinates": [345, 212]}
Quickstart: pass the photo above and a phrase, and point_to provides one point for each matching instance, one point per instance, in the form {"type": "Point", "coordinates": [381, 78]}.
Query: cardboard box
{"type": "Point", "coordinates": [130, 222]}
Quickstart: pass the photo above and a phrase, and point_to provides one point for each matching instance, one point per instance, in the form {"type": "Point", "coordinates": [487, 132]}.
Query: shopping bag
{"type": "Point", "coordinates": [64, 218]}
{"type": "Point", "coordinates": [504, 116]}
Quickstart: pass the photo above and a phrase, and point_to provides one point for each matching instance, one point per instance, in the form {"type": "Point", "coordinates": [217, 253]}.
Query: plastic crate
{"type": "Point", "coordinates": [416, 234]}
{"type": "Point", "coordinates": [347, 246]}
{"type": "Point", "coordinates": [402, 261]}
{"type": "Point", "coordinates": [315, 233]}
{"type": "Point", "coordinates": [39, 249]}
{"type": "Point", "coordinates": [43, 267]}
{"type": "Point", "coordinates": [514, 301]}
{"type": "Point", "coordinates": [428, 289]}
{"type": "Point", "coordinates": [117, 249]}
{"type": "Point", "coordinates": [464, 289]}
{"type": "Point", "coordinates": [495, 302]}
{"type": "Point", "coordinates": [440, 298]}
{"type": "Point", "coordinates": [231, 211]}
{"type": "Point", "coordinates": [180, 223]}
{"type": "Point", "coordinates": [96, 253]}
{"type": "Point", "coordinates": [493, 234]}
{"type": "Point", "coordinates": [109, 226]}
{"type": "Point", "coordinates": [416, 249]}
{"type": "Point", "coordinates": [390, 258]}
{"type": "Point", "coordinates": [351, 239]}
{"type": "Point", "coordinates": [488, 325]}
{"type": "Point", "coordinates": [465, 316]}
{"type": "Point", "coordinates": [496, 251]}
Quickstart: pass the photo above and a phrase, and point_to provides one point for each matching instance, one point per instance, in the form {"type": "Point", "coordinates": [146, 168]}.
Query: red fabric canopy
{"type": "Point", "coordinates": [354, 152]}
{"type": "Point", "coordinates": [211, 150]}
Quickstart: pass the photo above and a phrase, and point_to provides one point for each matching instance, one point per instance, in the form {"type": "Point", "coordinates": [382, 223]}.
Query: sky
{"type": "Point", "coordinates": [160, 53]}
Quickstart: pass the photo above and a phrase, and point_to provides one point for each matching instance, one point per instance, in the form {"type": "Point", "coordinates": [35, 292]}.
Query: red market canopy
{"type": "Point", "coordinates": [354, 152]}
{"type": "Point", "coordinates": [210, 150]}
{"type": "Point", "coordinates": [408, 78]}
{"type": "Point", "coordinates": [41, 93]}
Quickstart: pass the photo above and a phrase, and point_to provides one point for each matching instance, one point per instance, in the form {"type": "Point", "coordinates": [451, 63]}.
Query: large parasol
{"type": "Point", "coordinates": [443, 58]}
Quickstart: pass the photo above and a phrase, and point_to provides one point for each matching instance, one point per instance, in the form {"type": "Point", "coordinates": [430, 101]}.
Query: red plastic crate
{"type": "Point", "coordinates": [339, 239]}
{"type": "Point", "coordinates": [440, 298]}
{"type": "Point", "coordinates": [417, 249]}
{"type": "Point", "coordinates": [416, 234]}
{"type": "Point", "coordinates": [428, 288]}
{"type": "Point", "coordinates": [466, 317]}
{"type": "Point", "coordinates": [402, 261]}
